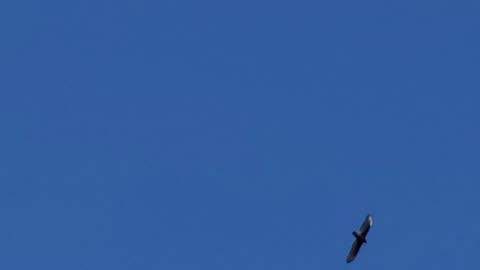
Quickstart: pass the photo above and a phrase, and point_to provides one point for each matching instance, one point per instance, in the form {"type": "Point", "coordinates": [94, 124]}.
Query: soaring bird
{"type": "Point", "coordinates": [360, 238]}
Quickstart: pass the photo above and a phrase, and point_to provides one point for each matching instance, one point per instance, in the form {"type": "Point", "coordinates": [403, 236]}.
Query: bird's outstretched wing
{"type": "Point", "coordinates": [366, 225]}
{"type": "Point", "coordinates": [354, 251]}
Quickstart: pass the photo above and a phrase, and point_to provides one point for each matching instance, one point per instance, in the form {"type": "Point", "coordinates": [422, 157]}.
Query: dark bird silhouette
{"type": "Point", "coordinates": [360, 238]}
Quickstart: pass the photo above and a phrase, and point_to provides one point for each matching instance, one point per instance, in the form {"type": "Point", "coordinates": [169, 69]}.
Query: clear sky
{"type": "Point", "coordinates": [239, 135]}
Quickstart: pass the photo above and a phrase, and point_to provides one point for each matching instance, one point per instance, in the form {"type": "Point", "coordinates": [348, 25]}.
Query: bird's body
{"type": "Point", "coordinates": [360, 238]}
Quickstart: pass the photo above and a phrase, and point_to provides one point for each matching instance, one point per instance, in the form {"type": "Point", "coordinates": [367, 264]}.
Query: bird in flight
{"type": "Point", "coordinates": [360, 238]}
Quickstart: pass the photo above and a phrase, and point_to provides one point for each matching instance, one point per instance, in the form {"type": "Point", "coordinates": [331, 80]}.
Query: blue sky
{"type": "Point", "coordinates": [184, 135]}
